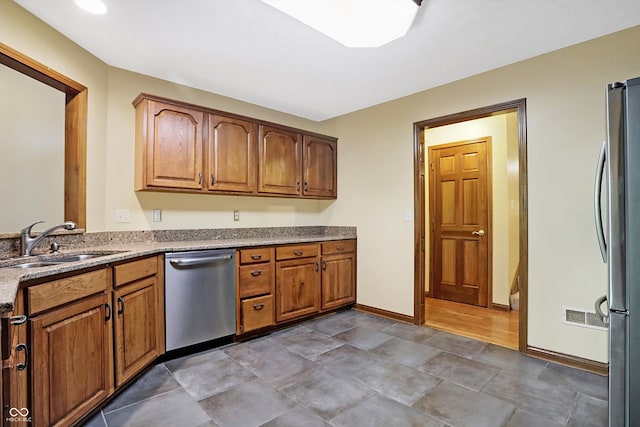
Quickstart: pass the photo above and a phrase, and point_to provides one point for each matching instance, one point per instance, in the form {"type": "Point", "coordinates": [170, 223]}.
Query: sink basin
{"type": "Point", "coordinates": [60, 259]}
{"type": "Point", "coordinates": [34, 264]}
{"type": "Point", "coordinates": [75, 258]}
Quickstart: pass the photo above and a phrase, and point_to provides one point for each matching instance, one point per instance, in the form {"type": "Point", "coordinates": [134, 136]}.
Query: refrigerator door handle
{"type": "Point", "coordinates": [598, 307]}
{"type": "Point", "coordinates": [597, 201]}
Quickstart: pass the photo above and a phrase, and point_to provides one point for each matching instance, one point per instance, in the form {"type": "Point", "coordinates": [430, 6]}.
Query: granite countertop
{"type": "Point", "coordinates": [10, 278]}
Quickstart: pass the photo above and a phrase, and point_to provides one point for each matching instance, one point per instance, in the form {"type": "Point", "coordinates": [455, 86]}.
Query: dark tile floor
{"type": "Point", "coordinates": [354, 369]}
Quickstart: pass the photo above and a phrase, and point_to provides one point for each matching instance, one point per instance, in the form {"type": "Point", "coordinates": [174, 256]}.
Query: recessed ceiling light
{"type": "Point", "coordinates": [354, 23]}
{"type": "Point", "coordinates": [92, 6]}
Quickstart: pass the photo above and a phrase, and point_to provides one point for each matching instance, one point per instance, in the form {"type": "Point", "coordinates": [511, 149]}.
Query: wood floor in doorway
{"type": "Point", "coordinates": [494, 326]}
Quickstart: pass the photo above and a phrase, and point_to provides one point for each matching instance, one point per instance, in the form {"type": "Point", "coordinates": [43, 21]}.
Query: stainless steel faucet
{"type": "Point", "coordinates": [28, 242]}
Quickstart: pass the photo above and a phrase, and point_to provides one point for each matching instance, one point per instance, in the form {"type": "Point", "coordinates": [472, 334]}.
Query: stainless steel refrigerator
{"type": "Point", "coordinates": [618, 174]}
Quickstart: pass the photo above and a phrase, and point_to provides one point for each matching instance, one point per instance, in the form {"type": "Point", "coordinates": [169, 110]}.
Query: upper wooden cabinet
{"type": "Point", "coordinates": [169, 152]}
{"type": "Point", "coordinates": [280, 169]}
{"type": "Point", "coordinates": [320, 156]}
{"type": "Point", "coordinates": [231, 158]}
{"type": "Point", "coordinates": [184, 147]}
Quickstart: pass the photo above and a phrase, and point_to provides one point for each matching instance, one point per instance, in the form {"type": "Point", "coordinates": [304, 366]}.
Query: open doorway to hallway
{"type": "Point", "coordinates": [470, 211]}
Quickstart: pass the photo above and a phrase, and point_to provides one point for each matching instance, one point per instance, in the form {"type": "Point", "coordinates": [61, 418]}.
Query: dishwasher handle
{"type": "Point", "coordinates": [187, 262]}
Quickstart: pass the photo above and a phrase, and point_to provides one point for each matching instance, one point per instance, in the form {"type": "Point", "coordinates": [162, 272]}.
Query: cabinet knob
{"type": "Point", "coordinates": [306, 186]}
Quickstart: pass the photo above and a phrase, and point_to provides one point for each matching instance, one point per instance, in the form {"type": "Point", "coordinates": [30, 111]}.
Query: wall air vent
{"type": "Point", "coordinates": [585, 318]}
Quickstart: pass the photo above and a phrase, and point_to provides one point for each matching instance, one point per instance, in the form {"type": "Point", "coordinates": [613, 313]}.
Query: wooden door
{"type": "Point", "coordinates": [460, 221]}
{"type": "Point", "coordinates": [297, 288]}
{"type": "Point", "coordinates": [280, 161]}
{"type": "Point", "coordinates": [338, 280]}
{"type": "Point", "coordinates": [136, 327]}
{"type": "Point", "coordinates": [174, 146]}
{"type": "Point", "coordinates": [231, 155]}
{"type": "Point", "coordinates": [319, 167]}
{"type": "Point", "coordinates": [72, 354]}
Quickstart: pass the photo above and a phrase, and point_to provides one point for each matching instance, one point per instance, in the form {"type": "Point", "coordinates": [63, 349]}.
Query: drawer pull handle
{"type": "Point", "coordinates": [107, 308]}
{"type": "Point", "coordinates": [340, 248]}
{"type": "Point", "coordinates": [23, 366]}
{"type": "Point", "coordinates": [298, 253]}
{"type": "Point", "coordinates": [256, 257]}
{"type": "Point", "coordinates": [18, 320]}
{"type": "Point", "coordinates": [120, 305]}
{"type": "Point", "coordinates": [256, 273]}
{"type": "Point", "coordinates": [324, 265]}
{"type": "Point", "coordinates": [258, 306]}
{"type": "Point", "coordinates": [317, 267]}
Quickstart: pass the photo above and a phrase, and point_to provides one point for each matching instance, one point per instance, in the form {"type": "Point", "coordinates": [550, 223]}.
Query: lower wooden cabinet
{"type": "Point", "coordinates": [255, 287]}
{"type": "Point", "coordinates": [138, 319]}
{"type": "Point", "coordinates": [85, 335]}
{"type": "Point", "coordinates": [288, 282]}
{"type": "Point", "coordinates": [297, 288]}
{"type": "Point", "coordinates": [72, 360]}
{"type": "Point", "coordinates": [338, 274]}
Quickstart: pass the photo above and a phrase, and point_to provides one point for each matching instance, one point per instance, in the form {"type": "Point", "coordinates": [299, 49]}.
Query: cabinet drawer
{"type": "Point", "coordinates": [52, 294]}
{"type": "Point", "coordinates": [255, 279]}
{"type": "Point", "coordinates": [257, 313]}
{"type": "Point", "coordinates": [134, 270]}
{"type": "Point", "coordinates": [296, 251]}
{"type": "Point", "coordinates": [249, 256]}
{"type": "Point", "coordinates": [338, 247]}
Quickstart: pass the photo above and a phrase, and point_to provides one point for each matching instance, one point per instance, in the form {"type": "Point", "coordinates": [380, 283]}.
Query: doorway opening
{"type": "Point", "coordinates": [470, 207]}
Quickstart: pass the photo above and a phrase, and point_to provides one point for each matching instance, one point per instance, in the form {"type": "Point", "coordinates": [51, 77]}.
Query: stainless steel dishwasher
{"type": "Point", "coordinates": [200, 296]}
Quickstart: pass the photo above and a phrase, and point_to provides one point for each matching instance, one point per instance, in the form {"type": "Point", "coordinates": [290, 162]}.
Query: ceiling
{"type": "Point", "coordinates": [247, 50]}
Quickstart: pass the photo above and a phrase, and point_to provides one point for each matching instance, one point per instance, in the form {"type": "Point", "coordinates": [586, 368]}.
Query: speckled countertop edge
{"type": "Point", "coordinates": [10, 278]}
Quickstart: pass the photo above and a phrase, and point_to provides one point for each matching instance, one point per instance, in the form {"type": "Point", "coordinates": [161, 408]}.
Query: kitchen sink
{"type": "Point", "coordinates": [75, 258]}
{"type": "Point", "coordinates": [52, 260]}
{"type": "Point", "coordinates": [34, 264]}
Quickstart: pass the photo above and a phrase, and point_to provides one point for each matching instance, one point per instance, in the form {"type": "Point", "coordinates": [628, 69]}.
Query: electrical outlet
{"type": "Point", "coordinates": [236, 215]}
{"type": "Point", "coordinates": [123, 215]}
{"type": "Point", "coordinates": [157, 215]}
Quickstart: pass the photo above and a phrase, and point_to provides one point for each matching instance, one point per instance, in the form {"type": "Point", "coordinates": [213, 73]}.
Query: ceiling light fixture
{"type": "Point", "coordinates": [354, 23]}
{"type": "Point", "coordinates": [96, 7]}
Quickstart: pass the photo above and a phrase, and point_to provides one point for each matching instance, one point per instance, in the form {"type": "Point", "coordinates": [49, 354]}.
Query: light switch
{"type": "Point", "coordinates": [157, 215]}
{"type": "Point", "coordinates": [123, 215]}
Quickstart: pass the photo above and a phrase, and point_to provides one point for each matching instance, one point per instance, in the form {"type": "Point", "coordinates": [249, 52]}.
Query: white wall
{"type": "Point", "coordinates": [565, 127]}
{"type": "Point", "coordinates": [496, 128]}
{"type": "Point", "coordinates": [32, 147]}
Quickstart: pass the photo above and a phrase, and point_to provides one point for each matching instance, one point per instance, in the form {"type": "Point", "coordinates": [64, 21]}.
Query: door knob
{"type": "Point", "coordinates": [478, 233]}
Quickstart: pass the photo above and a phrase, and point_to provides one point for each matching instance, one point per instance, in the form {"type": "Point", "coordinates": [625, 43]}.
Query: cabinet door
{"type": "Point", "coordinates": [174, 146]}
{"type": "Point", "coordinates": [72, 358]}
{"type": "Point", "coordinates": [297, 288]}
{"type": "Point", "coordinates": [136, 327]}
{"type": "Point", "coordinates": [320, 167]}
{"type": "Point", "coordinates": [338, 280]}
{"type": "Point", "coordinates": [280, 164]}
{"type": "Point", "coordinates": [231, 155]}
